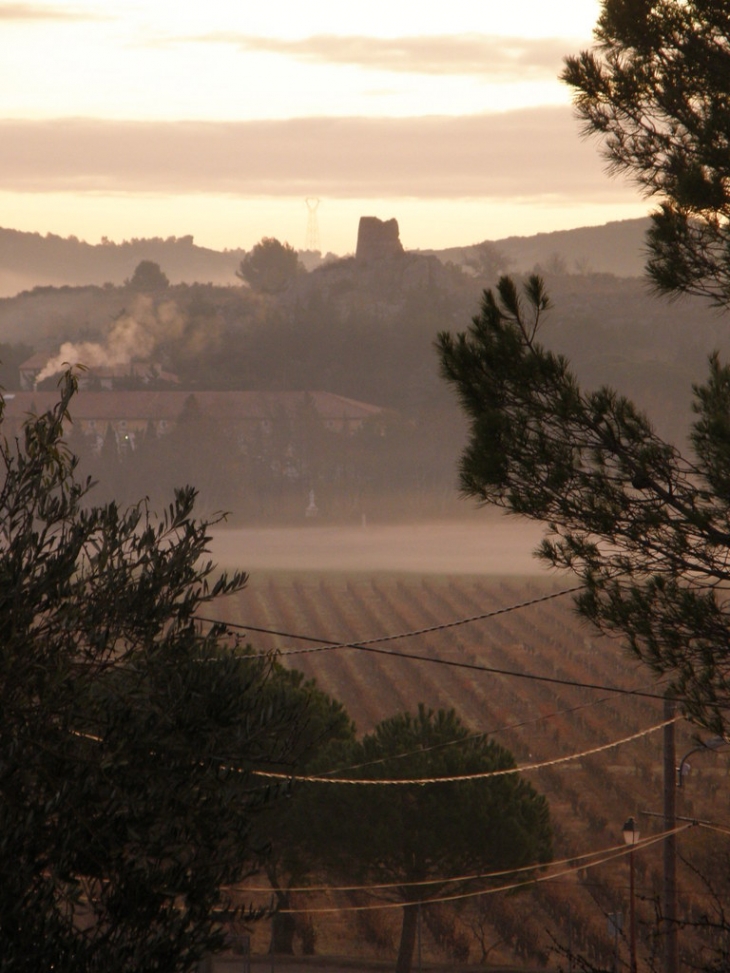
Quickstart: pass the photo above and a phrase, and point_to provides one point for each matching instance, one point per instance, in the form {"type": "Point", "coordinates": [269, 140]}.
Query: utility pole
{"type": "Point", "coordinates": [670, 842]}
{"type": "Point", "coordinates": [631, 837]}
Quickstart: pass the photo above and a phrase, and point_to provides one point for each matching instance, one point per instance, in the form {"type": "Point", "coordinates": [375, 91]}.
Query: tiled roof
{"type": "Point", "coordinates": [168, 405]}
{"type": "Point", "coordinates": [139, 369]}
{"type": "Point", "coordinates": [36, 362]}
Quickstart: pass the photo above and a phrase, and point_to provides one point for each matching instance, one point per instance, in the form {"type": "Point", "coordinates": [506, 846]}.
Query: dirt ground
{"type": "Point", "coordinates": [335, 964]}
{"type": "Point", "coordinates": [499, 546]}
{"type": "Point", "coordinates": [294, 964]}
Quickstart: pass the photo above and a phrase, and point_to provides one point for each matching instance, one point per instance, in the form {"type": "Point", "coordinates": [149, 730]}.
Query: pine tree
{"type": "Point", "coordinates": [655, 89]}
{"type": "Point", "coordinates": [646, 530]}
{"type": "Point", "coordinates": [423, 840]}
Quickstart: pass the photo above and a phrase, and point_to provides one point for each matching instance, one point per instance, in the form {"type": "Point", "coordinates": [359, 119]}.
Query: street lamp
{"type": "Point", "coordinates": [714, 743]}
{"type": "Point", "coordinates": [631, 836]}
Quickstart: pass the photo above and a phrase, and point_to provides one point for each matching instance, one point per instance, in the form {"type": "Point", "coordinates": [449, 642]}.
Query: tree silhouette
{"type": "Point", "coordinates": [270, 267]}
{"type": "Point", "coordinates": [148, 277]}
{"type": "Point", "coordinates": [424, 838]}
{"type": "Point", "coordinates": [129, 730]}
{"type": "Point", "coordinates": [643, 528]}
{"type": "Point", "coordinates": [656, 89]}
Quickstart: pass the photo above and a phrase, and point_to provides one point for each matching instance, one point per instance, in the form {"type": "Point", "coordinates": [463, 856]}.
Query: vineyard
{"type": "Point", "coordinates": [539, 721]}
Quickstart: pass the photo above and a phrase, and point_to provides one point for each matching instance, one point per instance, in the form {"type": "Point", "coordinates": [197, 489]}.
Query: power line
{"type": "Point", "coordinates": [369, 645]}
{"type": "Point", "coordinates": [494, 670]}
{"type": "Point", "coordinates": [477, 736]}
{"type": "Point", "coordinates": [537, 880]}
{"type": "Point", "coordinates": [721, 829]}
{"type": "Point", "coordinates": [480, 775]}
{"type": "Point", "coordinates": [325, 645]}
{"type": "Point", "coordinates": [456, 878]}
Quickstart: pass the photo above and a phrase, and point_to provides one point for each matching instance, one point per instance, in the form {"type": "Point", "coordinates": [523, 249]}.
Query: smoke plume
{"type": "Point", "coordinates": [134, 335]}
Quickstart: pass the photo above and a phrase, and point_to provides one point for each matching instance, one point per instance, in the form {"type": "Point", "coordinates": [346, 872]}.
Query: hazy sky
{"type": "Point", "coordinates": [162, 118]}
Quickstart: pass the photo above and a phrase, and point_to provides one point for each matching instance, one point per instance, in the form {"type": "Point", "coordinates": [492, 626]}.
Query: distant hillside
{"type": "Point", "coordinates": [29, 260]}
{"type": "Point", "coordinates": [363, 329]}
{"type": "Point", "coordinates": [615, 248]}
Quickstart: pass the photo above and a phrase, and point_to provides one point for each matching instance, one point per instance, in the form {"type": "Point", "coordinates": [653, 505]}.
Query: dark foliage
{"type": "Point", "coordinates": [129, 732]}
{"type": "Point", "coordinates": [656, 89]}
{"type": "Point", "coordinates": [643, 528]}
{"type": "Point", "coordinates": [148, 277]}
{"type": "Point", "coordinates": [411, 835]}
{"type": "Point", "coordinates": [270, 267]}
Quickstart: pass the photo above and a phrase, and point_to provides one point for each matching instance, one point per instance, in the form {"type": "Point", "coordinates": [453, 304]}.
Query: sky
{"type": "Point", "coordinates": [232, 120]}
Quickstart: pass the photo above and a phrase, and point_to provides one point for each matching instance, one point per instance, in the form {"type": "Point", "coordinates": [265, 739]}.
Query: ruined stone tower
{"type": "Point", "coordinates": [377, 239]}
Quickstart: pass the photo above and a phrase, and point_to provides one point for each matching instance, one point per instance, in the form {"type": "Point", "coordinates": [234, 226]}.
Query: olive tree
{"type": "Point", "coordinates": [130, 732]}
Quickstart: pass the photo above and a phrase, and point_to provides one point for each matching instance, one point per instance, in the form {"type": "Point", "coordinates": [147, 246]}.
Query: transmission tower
{"type": "Point", "coordinates": [312, 241]}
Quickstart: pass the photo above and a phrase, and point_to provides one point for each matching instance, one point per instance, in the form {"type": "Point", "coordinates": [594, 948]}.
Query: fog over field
{"type": "Point", "coordinates": [498, 546]}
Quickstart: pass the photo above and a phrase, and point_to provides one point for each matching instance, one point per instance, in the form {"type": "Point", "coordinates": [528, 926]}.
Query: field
{"type": "Point", "coordinates": [539, 721]}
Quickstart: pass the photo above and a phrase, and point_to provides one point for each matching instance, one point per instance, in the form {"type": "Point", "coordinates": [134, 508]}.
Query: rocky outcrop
{"type": "Point", "coordinates": [379, 280]}
{"type": "Point", "coordinates": [377, 239]}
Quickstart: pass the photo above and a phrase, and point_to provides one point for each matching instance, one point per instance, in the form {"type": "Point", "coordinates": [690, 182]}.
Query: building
{"type": "Point", "coordinates": [103, 377]}
{"type": "Point", "coordinates": [133, 414]}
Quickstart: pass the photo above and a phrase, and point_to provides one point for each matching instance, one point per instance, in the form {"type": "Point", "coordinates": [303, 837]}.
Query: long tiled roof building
{"type": "Point", "coordinates": [135, 412]}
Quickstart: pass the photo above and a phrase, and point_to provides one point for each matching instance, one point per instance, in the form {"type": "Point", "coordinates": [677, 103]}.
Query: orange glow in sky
{"type": "Point", "coordinates": [130, 119]}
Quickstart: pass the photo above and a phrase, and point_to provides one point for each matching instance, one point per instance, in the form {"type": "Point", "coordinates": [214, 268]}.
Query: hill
{"type": "Point", "coordinates": [362, 329]}
{"type": "Point", "coordinates": [615, 248]}
{"type": "Point", "coordinates": [29, 260]}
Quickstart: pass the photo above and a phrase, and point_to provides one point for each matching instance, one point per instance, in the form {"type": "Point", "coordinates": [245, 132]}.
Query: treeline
{"type": "Point", "coordinates": [31, 259]}
{"type": "Point", "coordinates": [28, 260]}
{"type": "Point", "coordinates": [366, 332]}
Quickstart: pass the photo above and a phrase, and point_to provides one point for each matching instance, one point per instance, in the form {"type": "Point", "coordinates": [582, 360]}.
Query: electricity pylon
{"type": "Point", "coordinates": [312, 241]}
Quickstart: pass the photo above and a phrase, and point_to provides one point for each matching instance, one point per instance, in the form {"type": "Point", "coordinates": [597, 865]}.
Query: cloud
{"type": "Point", "coordinates": [493, 57]}
{"type": "Point", "coordinates": [34, 12]}
{"type": "Point", "coordinates": [532, 152]}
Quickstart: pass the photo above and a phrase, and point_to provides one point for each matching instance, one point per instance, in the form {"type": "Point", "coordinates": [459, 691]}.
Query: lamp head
{"type": "Point", "coordinates": [631, 832]}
